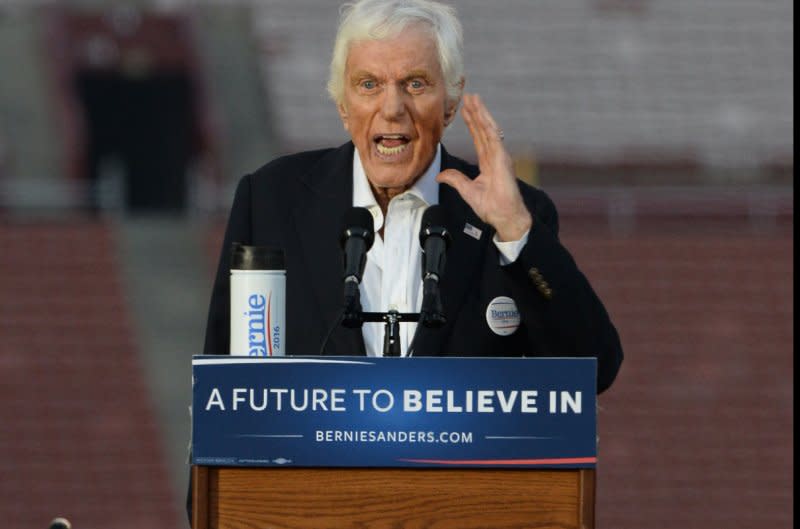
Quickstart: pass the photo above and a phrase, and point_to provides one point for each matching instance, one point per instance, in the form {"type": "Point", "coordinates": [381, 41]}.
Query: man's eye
{"type": "Point", "coordinates": [416, 84]}
{"type": "Point", "coordinates": [369, 84]}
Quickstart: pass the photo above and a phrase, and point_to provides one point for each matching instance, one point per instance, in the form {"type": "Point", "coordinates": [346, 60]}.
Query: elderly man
{"type": "Point", "coordinates": [397, 81]}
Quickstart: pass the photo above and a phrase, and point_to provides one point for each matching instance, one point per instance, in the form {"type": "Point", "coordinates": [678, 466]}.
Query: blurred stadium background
{"type": "Point", "coordinates": [662, 130]}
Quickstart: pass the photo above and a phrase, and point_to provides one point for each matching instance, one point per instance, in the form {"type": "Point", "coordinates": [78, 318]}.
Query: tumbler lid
{"type": "Point", "coordinates": [245, 257]}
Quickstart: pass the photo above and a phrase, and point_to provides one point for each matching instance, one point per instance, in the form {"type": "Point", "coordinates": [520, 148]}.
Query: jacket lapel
{"type": "Point", "coordinates": [464, 258]}
{"type": "Point", "coordinates": [328, 194]}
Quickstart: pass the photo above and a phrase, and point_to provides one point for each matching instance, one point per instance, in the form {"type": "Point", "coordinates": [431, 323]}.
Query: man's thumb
{"type": "Point", "coordinates": [455, 179]}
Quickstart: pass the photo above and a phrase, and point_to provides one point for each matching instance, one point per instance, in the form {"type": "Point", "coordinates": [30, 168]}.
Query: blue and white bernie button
{"type": "Point", "coordinates": [502, 315]}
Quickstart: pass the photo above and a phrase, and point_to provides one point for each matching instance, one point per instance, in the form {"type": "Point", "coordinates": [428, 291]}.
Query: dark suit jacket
{"type": "Point", "coordinates": [296, 202]}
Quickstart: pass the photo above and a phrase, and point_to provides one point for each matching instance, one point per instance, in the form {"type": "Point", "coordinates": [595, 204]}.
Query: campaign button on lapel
{"type": "Point", "coordinates": [502, 316]}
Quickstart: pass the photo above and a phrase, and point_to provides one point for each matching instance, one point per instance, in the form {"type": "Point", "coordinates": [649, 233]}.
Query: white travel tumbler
{"type": "Point", "coordinates": [258, 301]}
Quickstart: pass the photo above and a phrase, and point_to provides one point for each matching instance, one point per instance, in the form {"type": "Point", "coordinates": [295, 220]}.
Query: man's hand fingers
{"type": "Point", "coordinates": [492, 130]}
{"type": "Point", "coordinates": [485, 134]}
{"type": "Point", "coordinates": [482, 120]}
{"type": "Point", "coordinates": [458, 181]}
{"type": "Point", "coordinates": [470, 116]}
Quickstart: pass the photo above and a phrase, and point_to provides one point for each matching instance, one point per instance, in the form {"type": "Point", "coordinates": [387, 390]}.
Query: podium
{"type": "Point", "coordinates": [505, 489]}
{"type": "Point", "coordinates": [330, 498]}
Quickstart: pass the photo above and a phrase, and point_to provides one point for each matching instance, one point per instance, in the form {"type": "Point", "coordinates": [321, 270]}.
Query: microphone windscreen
{"type": "Point", "coordinates": [358, 217]}
{"type": "Point", "coordinates": [433, 223]}
{"type": "Point", "coordinates": [433, 216]}
{"type": "Point", "coordinates": [358, 222]}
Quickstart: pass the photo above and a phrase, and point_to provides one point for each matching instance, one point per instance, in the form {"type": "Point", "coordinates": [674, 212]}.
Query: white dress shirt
{"type": "Point", "coordinates": [392, 276]}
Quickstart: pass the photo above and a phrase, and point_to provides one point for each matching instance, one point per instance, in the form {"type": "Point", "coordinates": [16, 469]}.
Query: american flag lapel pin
{"type": "Point", "coordinates": [472, 231]}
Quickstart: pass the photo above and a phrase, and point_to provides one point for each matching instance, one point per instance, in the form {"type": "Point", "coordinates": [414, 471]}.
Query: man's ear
{"type": "Point", "coordinates": [343, 115]}
{"type": "Point", "coordinates": [451, 107]}
{"type": "Point", "coordinates": [450, 111]}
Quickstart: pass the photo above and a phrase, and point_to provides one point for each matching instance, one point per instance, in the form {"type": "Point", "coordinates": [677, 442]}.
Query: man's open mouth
{"type": "Point", "coordinates": [391, 144]}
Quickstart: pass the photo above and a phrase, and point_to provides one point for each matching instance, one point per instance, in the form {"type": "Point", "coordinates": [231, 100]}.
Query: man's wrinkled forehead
{"type": "Point", "coordinates": [425, 64]}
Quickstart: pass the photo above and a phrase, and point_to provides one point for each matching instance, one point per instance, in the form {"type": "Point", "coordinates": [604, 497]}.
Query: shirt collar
{"type": "Point", "coordinates": [425, 189]}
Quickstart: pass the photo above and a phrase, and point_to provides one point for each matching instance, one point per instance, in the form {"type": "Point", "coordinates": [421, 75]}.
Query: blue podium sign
{"type": "Point", "coordinates": [394, 412]}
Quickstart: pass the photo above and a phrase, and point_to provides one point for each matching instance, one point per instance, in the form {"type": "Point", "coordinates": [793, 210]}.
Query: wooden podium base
{"type": "Point", "coordinates": [331, 498]}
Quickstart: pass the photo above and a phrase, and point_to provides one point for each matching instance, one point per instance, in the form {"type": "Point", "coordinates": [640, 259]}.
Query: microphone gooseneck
{"type": "Point", "coordinates": [358, 234]}
{"type": "Point", "coordinates": [434, 240]}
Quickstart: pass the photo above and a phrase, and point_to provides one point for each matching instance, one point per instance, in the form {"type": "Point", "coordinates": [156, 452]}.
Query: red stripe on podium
{"type": "Point", "coordinates": [557, 461]}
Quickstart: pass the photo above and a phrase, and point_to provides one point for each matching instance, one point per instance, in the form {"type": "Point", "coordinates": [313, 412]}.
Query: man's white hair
{"type": "Point", "coordinates": [383, 19]}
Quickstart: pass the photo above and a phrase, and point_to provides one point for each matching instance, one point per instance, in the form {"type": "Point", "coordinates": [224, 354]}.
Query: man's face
{"type": "Point", "coordinates": [395, 106]}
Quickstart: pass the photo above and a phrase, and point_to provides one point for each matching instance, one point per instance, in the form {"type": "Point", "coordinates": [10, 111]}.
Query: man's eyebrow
{"type": "Point", "coordinates": [418, 73]}
{"type": "Point", "coordinates": [360, 74]}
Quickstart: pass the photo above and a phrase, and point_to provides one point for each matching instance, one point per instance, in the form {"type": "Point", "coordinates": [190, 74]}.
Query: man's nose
{"type": "Point", "coordinates": [393, 106]}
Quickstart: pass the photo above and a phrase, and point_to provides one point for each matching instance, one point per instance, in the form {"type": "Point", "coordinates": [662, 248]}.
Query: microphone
{"type": "Point", "coordinates": [434, 239]}
{"type": "Point", "coordinates": [358, 234]}
{"type": "Point", "coordinates": [60, 523]}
